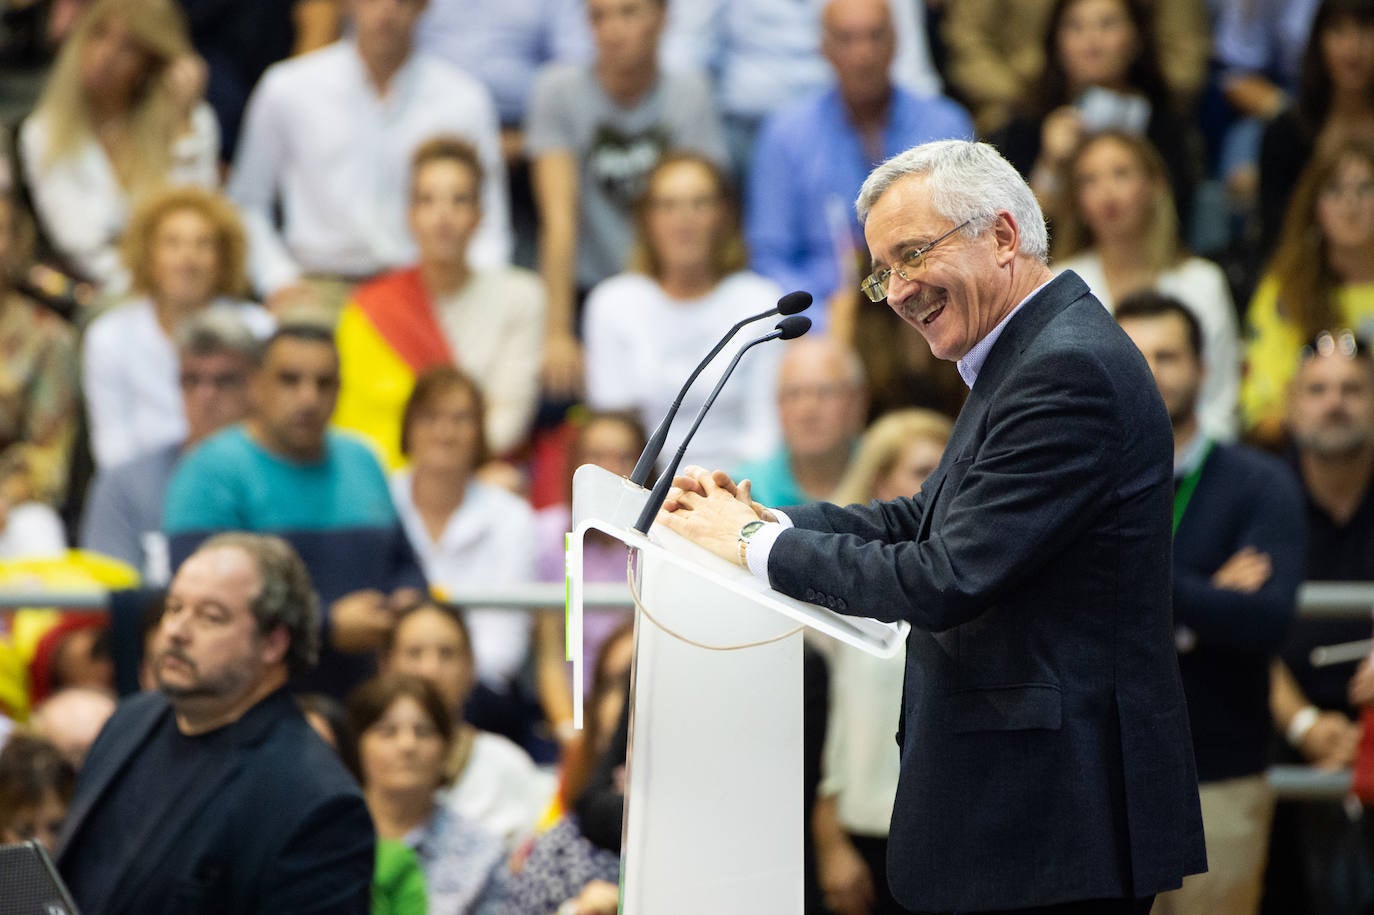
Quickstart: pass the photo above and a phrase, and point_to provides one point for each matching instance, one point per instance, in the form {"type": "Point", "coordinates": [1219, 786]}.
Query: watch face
{"type": "Point", "coordinates": [750, 529]}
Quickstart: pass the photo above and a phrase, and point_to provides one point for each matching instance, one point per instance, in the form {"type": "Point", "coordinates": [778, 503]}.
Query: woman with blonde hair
{"type": "Point", "coordinates": [646, 328]}
{"type": "Point", "coordinates": [1321, 278]}
{"type": "Point", "coordinates": [1118, 229]}
{"type": "Point", "coordinates": [859, 765]}
{"type": "Point", "coordinates": [185, 252]}
{"type": "Point", "coordinates": [122, 115]}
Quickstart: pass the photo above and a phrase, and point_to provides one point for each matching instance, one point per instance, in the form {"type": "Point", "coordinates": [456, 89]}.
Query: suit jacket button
{"type": "Point", "coordinates": [811, 595]}
{"type": "Point", "coordinates": [841, 605]}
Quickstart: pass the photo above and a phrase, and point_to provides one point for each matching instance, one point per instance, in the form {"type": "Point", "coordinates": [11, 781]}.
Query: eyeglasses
{"type": "Point", "coordinates": [1341, 342]}
{"type": "Point", "coordinates": [875, 286]}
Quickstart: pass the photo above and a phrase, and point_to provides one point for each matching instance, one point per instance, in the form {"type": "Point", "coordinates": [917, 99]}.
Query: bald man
{"type": "Point", "coordinates": [813, 155]}
{"type": "Point", "coordinates": [822, 400]}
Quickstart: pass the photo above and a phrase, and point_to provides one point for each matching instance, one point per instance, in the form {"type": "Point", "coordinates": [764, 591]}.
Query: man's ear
{"type": "Point", "coordinates": [275, 644]}
{"type": "Point", "coordinates": [1006, 236]}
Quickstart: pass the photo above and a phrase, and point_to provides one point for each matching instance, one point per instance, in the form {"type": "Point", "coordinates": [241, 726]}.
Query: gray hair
{"type": "Point", "coordinates": [217, 330]}
{"type": "Point", "coordinates": [968, 182]}
{"type": "Point", "coordinates": [285, 598]}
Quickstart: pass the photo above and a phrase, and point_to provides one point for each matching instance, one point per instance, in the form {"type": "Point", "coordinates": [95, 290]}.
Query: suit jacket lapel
{"type": "Point", "coordinates": [966, 435]}
{"type": "Point", "coordinates": [1058, 294]}
{"type": "Point", "coordinates": [129, 738]}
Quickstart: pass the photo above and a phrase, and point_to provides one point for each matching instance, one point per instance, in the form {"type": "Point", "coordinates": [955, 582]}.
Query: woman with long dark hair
{"type": "Point", "coordinates": [1321, 278]}
{"type": "Point", "coordinates": [1101, 71]}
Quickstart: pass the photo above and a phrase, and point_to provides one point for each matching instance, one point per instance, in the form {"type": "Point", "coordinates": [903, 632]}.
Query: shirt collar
{"type": "Point", "coordinates": [1187, 459]}
{"type": "Point", "coordinates": [395, 87]}
{"type": "Point", "coordinates": [973, 360]}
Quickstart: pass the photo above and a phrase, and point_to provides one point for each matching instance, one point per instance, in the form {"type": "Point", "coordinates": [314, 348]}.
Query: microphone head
{"type": "Point", "coordinates": [794, 326]}
{"type": "Point", "coordinates": [794, 302]}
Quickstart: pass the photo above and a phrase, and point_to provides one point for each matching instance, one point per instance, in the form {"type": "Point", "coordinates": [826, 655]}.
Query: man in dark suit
{"type": "Point", "coordinates": [213, 794]}
{"type": "Point", "coordinates": [1046, 762]}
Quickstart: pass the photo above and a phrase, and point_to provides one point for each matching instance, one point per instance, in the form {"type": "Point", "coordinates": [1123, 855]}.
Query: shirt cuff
{"type": "Point", "coordinates": [761, 545]}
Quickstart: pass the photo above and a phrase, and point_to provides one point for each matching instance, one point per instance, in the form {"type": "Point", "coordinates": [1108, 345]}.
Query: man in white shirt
{"type": "Point", "coordinates": [330, 135]}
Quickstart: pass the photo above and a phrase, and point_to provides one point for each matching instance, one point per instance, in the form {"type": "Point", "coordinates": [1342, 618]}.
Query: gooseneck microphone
{"type": "Point", "coordinates": [788, 328]}
{"type": "Point", "coordinates": [790, 304]}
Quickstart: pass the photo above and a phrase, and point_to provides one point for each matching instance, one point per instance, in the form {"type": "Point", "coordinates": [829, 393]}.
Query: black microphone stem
{"type": "Point", "coordinates": [790, 304]}
{"type": "Point", "coordinates": [655, 444]}
{"type": "Point", "coordinates": [660, 492]}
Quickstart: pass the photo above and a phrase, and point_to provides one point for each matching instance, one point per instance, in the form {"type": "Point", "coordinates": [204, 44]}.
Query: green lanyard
{"type": "Point", "coordinates": [1184, 493]}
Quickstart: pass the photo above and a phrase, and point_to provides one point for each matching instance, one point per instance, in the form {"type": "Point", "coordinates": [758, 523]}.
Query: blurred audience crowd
{"type": "Point", "coordinates": [375, 276]}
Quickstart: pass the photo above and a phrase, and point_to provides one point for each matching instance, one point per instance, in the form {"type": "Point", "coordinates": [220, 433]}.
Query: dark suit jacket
{"type": "Point", "coordinates": [1045, 752]}
{"type": "Point", "coordinates": [278, 825]}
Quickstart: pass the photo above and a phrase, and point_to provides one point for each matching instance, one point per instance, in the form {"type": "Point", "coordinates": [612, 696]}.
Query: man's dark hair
{"type": "Point", "coordinates": [285, 598]}
{"type": "Point", "coordinates": [304, 331]}
{"type": "Point", "coordinates": [1150, 304]}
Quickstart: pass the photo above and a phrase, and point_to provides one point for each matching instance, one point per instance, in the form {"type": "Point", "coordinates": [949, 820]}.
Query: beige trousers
{"type": "Point", "coordinates": [1236, 814]}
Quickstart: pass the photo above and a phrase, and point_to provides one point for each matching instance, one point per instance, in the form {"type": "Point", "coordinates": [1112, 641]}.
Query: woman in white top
{"type": "Point", "coordinates": [122, 115]}
{"type": "Point", "coordinates": [646, 329]}
{"type": "Point", "coordinates": [185, 252]}
{"type": "Point", "coordinates": [467, 533]}
{"type": "Point", "coordinates": [1119, 232]}
{"type": "Point", "coordinates": [491, 780]}
{"type": "Point", "coordinates": [859, 766]}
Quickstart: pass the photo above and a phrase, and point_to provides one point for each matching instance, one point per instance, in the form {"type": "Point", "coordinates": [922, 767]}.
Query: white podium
{"type": "Point", "coordinates": [713, 812]}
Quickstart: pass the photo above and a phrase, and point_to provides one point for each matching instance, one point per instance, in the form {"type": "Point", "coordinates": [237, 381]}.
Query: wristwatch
{"type": "Point", "coordinates": [745, 533]}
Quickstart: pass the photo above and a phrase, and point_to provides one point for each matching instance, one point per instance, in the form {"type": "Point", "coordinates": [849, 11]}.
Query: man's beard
{"type": "Point", "coordinates": [1184, 411]}
{"type": "Point", "coordinates": [1335, 439]}
{"type": "Point", "coordinates": [229, 681]}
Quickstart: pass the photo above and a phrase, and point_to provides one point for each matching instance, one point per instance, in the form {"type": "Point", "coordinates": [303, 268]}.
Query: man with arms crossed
{"type": "Point", "coordinates": [1046, 763]}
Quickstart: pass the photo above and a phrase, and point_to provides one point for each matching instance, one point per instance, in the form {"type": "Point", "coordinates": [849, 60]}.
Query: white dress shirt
{"type": "Point", "coordinates": [488, 541]}
{"type": "Point", "coordinates": [319, 137]}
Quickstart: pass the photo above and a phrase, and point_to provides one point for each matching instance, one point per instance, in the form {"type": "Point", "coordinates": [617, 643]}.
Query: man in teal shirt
{"type": "Point", "coordinates": [282, 471]}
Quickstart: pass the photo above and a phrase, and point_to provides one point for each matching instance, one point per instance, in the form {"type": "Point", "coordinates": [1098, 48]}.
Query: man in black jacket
{"type": "Point", "coordinates": [214, 794]}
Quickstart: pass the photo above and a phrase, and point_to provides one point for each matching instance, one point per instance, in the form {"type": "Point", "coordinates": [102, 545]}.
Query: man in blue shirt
{"type": "Point", "coordinates": [1239, 549]}
{"type": "Point", "coordinates": [812, 156]}
{"type": "Point", "coordinates": [283, 472]}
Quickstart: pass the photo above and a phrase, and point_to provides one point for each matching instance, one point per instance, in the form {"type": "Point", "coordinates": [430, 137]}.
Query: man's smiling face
{"type": "Point", "coordinates": [953, 299]}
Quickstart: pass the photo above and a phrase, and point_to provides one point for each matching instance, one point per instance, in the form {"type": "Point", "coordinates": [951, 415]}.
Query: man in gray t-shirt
{"type": "Point", "coordinates": [593, 133]}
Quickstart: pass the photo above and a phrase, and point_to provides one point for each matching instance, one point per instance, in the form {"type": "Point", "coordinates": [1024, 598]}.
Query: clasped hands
{"type": "Point", "coordinates": [708, 508]}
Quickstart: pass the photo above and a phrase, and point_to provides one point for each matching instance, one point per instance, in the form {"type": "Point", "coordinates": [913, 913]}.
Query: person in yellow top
{"type": "Point", "coordinates": [1321, 278]}
{"type": "Point", "coordinates": [441, 312]}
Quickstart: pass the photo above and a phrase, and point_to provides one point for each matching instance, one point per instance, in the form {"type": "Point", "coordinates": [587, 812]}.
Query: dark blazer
{"type": "Point", "coordinates": [1045, 752]}
{"type": "Point", "coordinates": [276, 825]}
